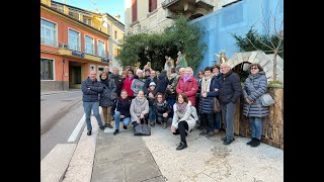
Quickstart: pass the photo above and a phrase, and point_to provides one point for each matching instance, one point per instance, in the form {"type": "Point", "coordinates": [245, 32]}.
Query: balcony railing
{"type": "Point", "coordinates": [65, 51]}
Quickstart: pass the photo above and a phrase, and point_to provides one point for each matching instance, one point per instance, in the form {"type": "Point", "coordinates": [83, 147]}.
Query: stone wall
{"type": "Point", "coordinates": [272, 125]}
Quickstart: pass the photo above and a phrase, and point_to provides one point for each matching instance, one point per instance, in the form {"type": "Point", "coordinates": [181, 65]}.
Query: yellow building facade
{"type": "Point", "coordinates": [102, 21]}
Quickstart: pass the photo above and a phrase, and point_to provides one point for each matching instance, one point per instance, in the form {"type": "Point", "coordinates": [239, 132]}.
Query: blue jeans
{"type": "Point", "coordinates": [152, 114]}
{"type": "Point", "coordinates": [228, 111]}
{"type": "Point", "coordinates": [256, 127]}
{"type": "Point", "coordinates": [218, 120]}
{"type": "Point", "coordinates": [117, 120]}
{"type": "Point", "coordinates": [94, 106]}
{"type": "Point", "coordinates": [171, 102]}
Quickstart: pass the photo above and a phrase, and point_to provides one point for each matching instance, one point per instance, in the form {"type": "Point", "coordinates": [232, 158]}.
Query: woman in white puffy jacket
{"type": "Point", "coordinates": [184, 119]}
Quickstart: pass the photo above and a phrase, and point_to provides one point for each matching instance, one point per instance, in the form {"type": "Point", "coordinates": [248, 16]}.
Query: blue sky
{"type": "Point", "coordinates": [113, 7]}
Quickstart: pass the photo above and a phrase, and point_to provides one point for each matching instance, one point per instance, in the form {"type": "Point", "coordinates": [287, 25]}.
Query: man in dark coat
{"type": "Point", "coordinates": [229, 94]}
{"type": "Point", "coordinates": [91, 89]}
{"type": "Point", "coordinates": [117, 79]}
{"type": "Point", "coordinates": [152, 78]}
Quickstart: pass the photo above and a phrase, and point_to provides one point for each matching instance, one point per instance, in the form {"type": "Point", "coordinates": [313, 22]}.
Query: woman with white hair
{"type": "Point", "coordinates": [188, 85]}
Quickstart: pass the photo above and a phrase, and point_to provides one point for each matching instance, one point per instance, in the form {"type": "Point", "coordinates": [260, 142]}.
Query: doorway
{"type": "Point", "coordinates": [75, 76]}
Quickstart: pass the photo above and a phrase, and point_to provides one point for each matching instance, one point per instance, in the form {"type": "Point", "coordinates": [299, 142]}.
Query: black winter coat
{"type": "Point", "coordinates": [108, 94]}
{"type": "Point", "coordinates": [118, 82]}
{"type": "Point", "coordinates": [231, 88]}
{"type": "Point", "coordinates": [121, 105]}
{"type": "Point", "coordinates": [91, 90]}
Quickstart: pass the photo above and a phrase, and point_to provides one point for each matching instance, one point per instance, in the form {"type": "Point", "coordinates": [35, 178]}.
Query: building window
{"type": "Point", "coordinates": [89, 47]}
{"type": "Point", "coordinates": [48, 33]}
{"type": "Point", "coordinates": [74, 14]}
{"type": "Point", "coordinates": [101, 49]}
{"type": "Point", "coordinates": [115, 34]}
{"type": "Point", "coordinates": [46, 69]}
{"type": "Point", "coordinates": [74, 40]}
{"type": "Point", "coordinates": [87, 20]}
{"type": "Point", "coordinates": [152, 5]}
{"type": "Point", "coordinates": [134, 10]}
{"type": "Point", "coordinates": [58, 7]}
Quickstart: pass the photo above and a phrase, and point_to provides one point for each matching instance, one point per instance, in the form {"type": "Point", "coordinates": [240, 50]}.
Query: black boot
{"type": "Point", "coordinates": [182, 145]}
{"type": "Point", "coordinates": [125, 127]}
{"type": "Point", "coordinates": [89, 132]}
{"type": "Point", "coordinates": [116, 132]}
{"type": "Point", "coordinates": [255, 143]}
{"type": "Point", "coordinates": [251, 141]}
{"type": "Point", "coordinates": [227, 142]}
{"type": "Point", "coordinates": [102, 127]}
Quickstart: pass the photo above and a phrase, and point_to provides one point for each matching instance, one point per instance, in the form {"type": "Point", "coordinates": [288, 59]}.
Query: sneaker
{"type": "Point", "coordinates": [89, 132]}
{"type": "Point", "coordinates": [255, 143]}
{"type": "Point", "coordinates": [125, 127]}
{"type": "Point", "coordinates": [204, 132]}
{"type": "Point", "coordinates": [102, 127]}
{"type": "Point", "coordinates": [116, 132]}
{"type": "Point", "coordinates": [216, 131]}
{"type": "Point", "coordinates": [224, 138]}
{"type": "Point", "coordinates": [211, 134]}
{"type": "Point", "coordinates": [181, 146]}
{"type": "Point", "coordinates": [227, 142]}
{"type": "Point", "coordinates": [109, 125]}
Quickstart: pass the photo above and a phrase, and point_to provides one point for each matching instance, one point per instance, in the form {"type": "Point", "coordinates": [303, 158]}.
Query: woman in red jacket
{"type": "Point", "coordinates": [188, 85]}
{"type": "Point", "coordinates": [128, 83]}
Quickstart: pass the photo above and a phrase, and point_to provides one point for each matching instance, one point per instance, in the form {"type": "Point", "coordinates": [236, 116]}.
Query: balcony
{"type": "Point", "coordinates": [64, 51]}
{"type": "Point", "coordinates": [106, 59]}
{"type": "Point", "coordinates": [190, 8]}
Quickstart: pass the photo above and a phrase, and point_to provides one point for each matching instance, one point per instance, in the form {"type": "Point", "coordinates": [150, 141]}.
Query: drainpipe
{"type": "Point", "coordinates": [63, 75]}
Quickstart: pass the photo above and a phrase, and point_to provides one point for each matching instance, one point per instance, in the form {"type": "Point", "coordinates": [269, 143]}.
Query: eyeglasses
{"type": "Point", "coordinates": [254, 68]}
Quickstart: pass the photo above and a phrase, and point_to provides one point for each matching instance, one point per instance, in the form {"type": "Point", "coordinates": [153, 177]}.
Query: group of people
{"type": "Point", "coordinates": [176, 98]}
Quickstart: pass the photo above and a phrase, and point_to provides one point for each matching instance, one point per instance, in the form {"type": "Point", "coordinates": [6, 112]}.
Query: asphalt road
{"type": "Point", "coordinates": [60, 114]}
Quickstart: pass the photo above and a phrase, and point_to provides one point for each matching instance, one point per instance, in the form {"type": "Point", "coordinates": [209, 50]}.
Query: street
{"type": "Point", "coordinates": [60, 115]}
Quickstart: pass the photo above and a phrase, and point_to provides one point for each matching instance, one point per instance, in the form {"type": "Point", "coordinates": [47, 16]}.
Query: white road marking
{"type": "Point", "coordinates": [77, 129]}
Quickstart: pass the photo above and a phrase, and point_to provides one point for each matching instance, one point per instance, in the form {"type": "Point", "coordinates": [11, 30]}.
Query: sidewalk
{"type": "Point", "coordinates": [125, 157]}
{"type": "Point", "coordinates": [58, 91]}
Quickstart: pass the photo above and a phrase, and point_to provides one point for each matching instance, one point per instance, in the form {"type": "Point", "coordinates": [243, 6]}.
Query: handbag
{"type": "Point", "coordinates": [266, 100]}
{"type": "Point", "coordinates": [217, 107]}
{"type": "Point", "coordinates": [138, 130]}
